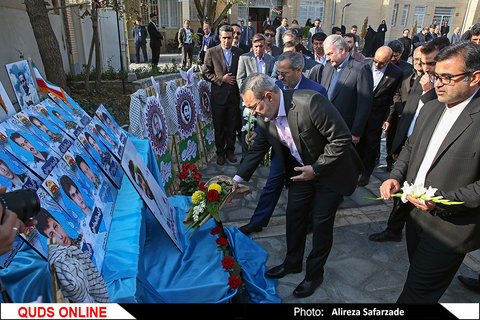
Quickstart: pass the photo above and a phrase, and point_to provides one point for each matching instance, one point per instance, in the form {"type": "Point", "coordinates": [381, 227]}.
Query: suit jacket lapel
{"type": "Point", "coordinates": [292, 116]}
{"type": "Point", "coordinates": [462, 123]}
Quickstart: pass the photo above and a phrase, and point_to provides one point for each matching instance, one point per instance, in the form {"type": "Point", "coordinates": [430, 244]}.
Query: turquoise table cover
{"type": "Point", "coordinates": [142, 265]}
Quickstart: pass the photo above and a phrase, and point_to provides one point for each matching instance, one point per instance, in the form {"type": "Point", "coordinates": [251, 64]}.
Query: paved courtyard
{"type": "Point", "coordinates": [357, 270]}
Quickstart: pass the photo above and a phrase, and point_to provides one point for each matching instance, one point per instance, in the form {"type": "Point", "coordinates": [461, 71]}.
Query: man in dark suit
{"type": "Point", "coordinates": [220, 68]}
{"type": "Point", "coordinates": [419, 38]}
{"type": "Point", "coordinates": [386, 81]}
{"type": "Point", "coordinates": [209, 40]}
{"type": "Point", "coordinates": [390, 125]}
{"type": "Point", "coordinates": [321, 165]}
{"type": "Point", "coordinates": [140, 35]}
{"type": "Point", "coordinates": [443, 152]}
{"type": "Point", "coordinates": [421, 92]}
{"type": "Point", "coordinates": [279, 34]}
{"type": "Point", "coordinates": [349, 84]}
{"type": "Point", "coordinates": [155, 39]}
{"type": "Point", "coordinates": [290, 66]}
{"type": "Point", "coordinates": [185, 42]}
{"type": "Point", "coordinates": [407, 45]}
{"type": "Point", "coordinates": [270, 47]}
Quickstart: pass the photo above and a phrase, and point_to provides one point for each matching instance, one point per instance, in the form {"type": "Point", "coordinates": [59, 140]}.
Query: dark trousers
{"type": "Point", "coordinates": [397, 218]}
{"type": "Point", "coordinates": [432, 266]}
{"type": "Point", "coordinates": [270, 193]}
{"type": "Point", "coordinates": [143, 46]}
{"type": "Point", "coordinates": [187, 54]}
{"type": "Point", "coordinates": [305, 199]}
{"type": "Point", "coordinates": [155, 55]}
{"type": "Point", "coordinates": [390, 134]}
{"type": "Point", "coordinates": [369, 144]}
{"type": "Point", "coordinates": [224, 123]}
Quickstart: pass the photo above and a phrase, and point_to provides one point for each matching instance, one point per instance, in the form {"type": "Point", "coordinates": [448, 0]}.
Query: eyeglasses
{"type": "Point", "coordinates": [252, 108]}
{"type": "Point", "coordinates": [447, 79]}
{"type": "Point", "coordinates": [238, 32]}
{"type": "Point", "coordinates": [269, 35]}
{"type": "Point", "coordinates": [283, 74]}
{"type": "Point", "coordinates": [379, 63]}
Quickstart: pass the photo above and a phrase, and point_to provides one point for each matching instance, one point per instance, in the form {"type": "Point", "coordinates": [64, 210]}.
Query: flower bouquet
{"type": "Point", "coordinates": [189, 179]}
{"type": "Point", "coordinates": [419, 192]}
{"type": "Point", "coordinates": [208, 200]}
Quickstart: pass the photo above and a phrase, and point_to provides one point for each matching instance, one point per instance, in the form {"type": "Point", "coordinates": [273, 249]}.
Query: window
{"type": "Point", "coordinates": [418, 17]}
{"type": "Point", "coordinates": [406, 8]}
{"type": "Point", "coordinates": [394, 15]}
{"type": "Point", "coordinates": [443, 14]}
{"type": "Point", "coordinates": [311, 9]}
{"type": "Point", "coordinates": [167, 11]}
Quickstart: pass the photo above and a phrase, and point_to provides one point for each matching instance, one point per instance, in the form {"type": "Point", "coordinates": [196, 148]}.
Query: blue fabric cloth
{"type": "Point", "coordinates": [142, 265]}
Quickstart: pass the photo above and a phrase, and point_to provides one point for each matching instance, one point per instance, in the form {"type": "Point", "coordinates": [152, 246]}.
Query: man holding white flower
{"type": "Point", "coordinates": [442, 152]}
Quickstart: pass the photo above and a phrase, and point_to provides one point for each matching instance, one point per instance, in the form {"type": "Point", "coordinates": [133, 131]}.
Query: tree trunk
{"type": "Point", "coordinates": [47, 42]}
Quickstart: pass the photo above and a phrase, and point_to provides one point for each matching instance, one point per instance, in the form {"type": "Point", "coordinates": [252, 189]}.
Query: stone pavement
{"type": "Point", "coordinates": [357, 270]}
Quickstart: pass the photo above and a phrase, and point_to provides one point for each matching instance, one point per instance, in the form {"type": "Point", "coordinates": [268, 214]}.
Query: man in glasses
{"type": "Point", "coordinates": [270, 47]}
{"type": "Point", "coordinates": [321, 166]}
{"type": "Point", "coordinates": [237, 38]}
{"type": "Point", "coordinates": [209, 40]}
{"type": "Point", "coordinates": [421, 92]}
{"type": "Point", "coordinates": [387, 79]}
{"type": "Point", "coordinates": [220, 68]}
{"type": "Point", "coordinates": [442, 152]}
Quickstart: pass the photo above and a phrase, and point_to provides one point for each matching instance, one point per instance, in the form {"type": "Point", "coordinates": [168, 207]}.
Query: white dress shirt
{"type": "Point", "coordinates": [448, 118]}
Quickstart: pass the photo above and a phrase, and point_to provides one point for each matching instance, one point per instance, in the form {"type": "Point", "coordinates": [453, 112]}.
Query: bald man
{"type": "Point", "coordinates": [387, 79]}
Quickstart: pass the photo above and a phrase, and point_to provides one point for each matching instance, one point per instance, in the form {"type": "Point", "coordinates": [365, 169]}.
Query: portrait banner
{"type": "Point", "coordinates": [204, 106]}
{"type": "Point", "coordinates": [23, 83]}
{"type": "Point", "coordinates": [156, 126]}
{"type": "Point", "coordinates": [151, 192]}
{"type": "Point", "coordinates": [186, 112]}
{"type": "Point", "coordinates": [60, 117]}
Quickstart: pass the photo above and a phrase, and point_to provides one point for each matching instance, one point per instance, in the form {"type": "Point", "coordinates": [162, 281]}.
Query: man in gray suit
{"type": "Point", "coordinates": [349, 84]}
{"type": "Point", "coordinates": [321, 165]}
{"type": "Point", "coordinates": [443, 152]}
{"type": "Point", "coordinates": [279, 34]}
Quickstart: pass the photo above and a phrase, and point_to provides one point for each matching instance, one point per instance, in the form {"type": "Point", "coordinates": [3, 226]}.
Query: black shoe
{"type": "Point", "coordinates": [386, 235]}
{"type": "Point", "coordinates": [470, 283]}
{"type": "Point", "coordinates": [307, 288]}
{"type": "Point", "coordinates": [363, 181]}
{"type": "Point", "coordinates": [250, 228]}
{"type": "Point", "coordinates": [220, 160]}
{"type": "Point", "coordinates": [281, 271]}
{"type": "Point", "coordinates": [231, 158]}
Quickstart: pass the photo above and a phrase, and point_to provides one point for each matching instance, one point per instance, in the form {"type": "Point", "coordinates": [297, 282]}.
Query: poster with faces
{"type": "Point", "coordinates": [73, 108]}
{"type": "Point", "coordinates": [102, 190]}
{"type": "Point", "coordinates": [103, 134]}
{"type": "Point", "coordinates": [60, 117]}
{"type": "Point", "coordinates": [29, 149]}
{"type": "Point", "coordinates": [23, 83]}
{"type": "Point", "coordinates": [104, 116]}
{"type": "Point", "coordinates": [44, 130]}
{"type": "Point", "coordinates": [54, 221]}
{"type": "Point", "coordinates": [150, 191]}
{"type": "Point", "coordinates": [14, 175]}
{"type": "Point", "coordinates": [102, 156]}
{"type": "Point", "coordinates": [82, 212]}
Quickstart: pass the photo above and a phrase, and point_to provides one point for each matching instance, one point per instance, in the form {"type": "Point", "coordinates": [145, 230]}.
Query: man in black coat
{"type": "Point", "coordinates": [442, 152]}
{"type": "Point", "coordinates": [155, 38]}
{"type": "Point", "coordinates": [321, 166]}
{"type": "Point", "coordinates": [387, 78]}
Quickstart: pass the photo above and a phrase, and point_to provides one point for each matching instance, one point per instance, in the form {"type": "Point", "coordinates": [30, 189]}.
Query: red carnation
{"type": "Point", "coordinates": [234, 282]}
{"type": "Point", "coordinates": [185, 166]}
{"type": "Point", "coordinates": [197, 176]}
{"type": "Point", "coordinates": [183, 175]}
{"type": "Point", "coordinates": [228, 262]}
{"type": "Point", "coordinates": [212, 195]}
{"type": "Point", "coordinates": [192, 168]}
{"type": "Point", "coordinates": [222, 241]}
{"type": "Point", "coordinates": [202, 187]}
{"type": "Point", "coordinates": [216, 230]}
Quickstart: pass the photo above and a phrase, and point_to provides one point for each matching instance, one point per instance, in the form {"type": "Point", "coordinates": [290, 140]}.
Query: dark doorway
{"type": "Point", "coordinates": [257, 16]}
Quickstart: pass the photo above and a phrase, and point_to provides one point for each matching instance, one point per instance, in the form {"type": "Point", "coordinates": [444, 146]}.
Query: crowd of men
{"type": "Point", "coordinates": [322, 109]}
